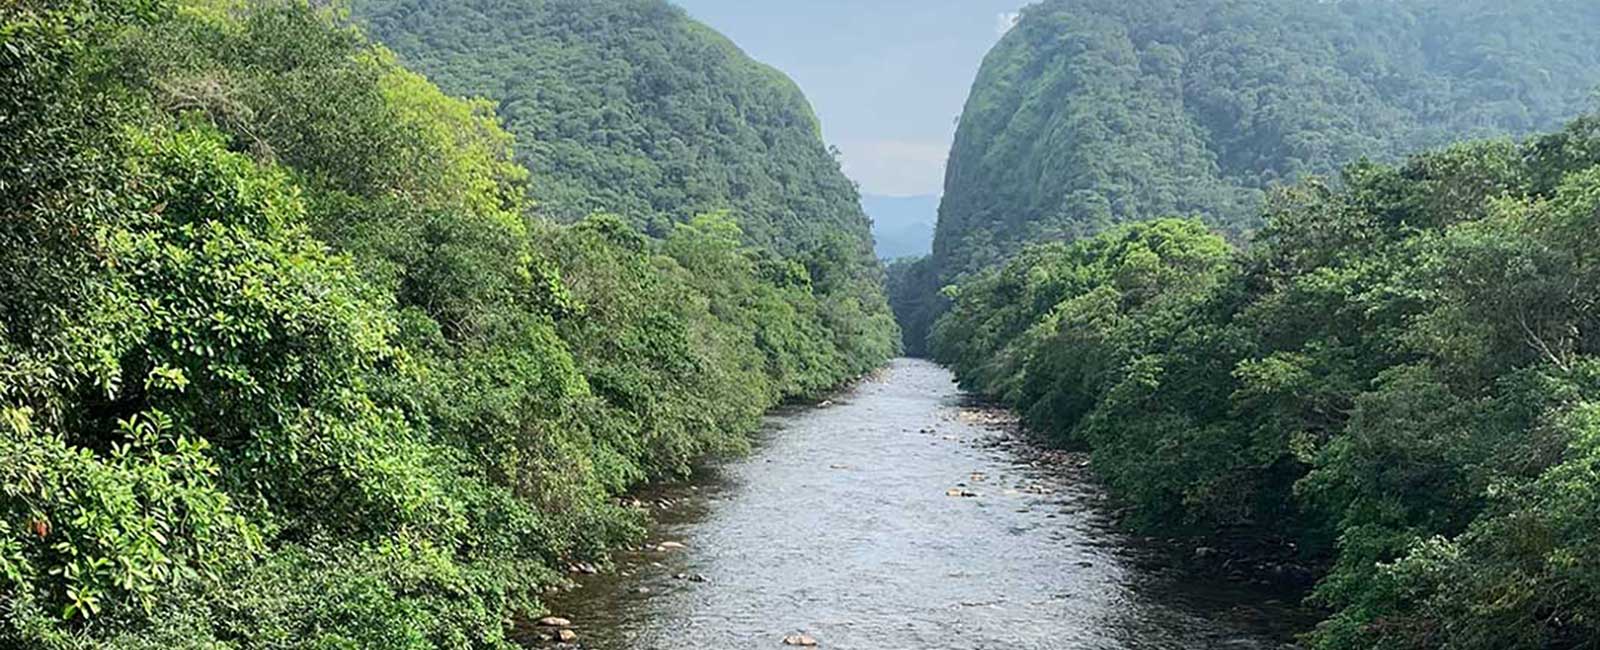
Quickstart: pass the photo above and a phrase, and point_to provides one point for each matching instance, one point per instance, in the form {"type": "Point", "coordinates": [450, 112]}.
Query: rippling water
{"type": "Point", "coordinates": [842, 525]}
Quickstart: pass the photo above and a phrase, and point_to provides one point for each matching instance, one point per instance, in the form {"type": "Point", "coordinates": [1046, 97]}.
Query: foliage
{"type": "Point", "coordinates": [287, 358]}
{"type": "Point", "coordinates": [1397, 379]}
{"type": "Point", "coordinates": [914, 296]}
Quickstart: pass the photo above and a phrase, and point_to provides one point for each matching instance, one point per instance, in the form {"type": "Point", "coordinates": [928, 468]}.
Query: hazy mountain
{"type": "Point", "coordinates": [902, 225]}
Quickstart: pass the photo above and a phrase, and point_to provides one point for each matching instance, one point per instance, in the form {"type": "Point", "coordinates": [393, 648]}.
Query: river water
{"type": "Point", "coordinates": [906, 515]}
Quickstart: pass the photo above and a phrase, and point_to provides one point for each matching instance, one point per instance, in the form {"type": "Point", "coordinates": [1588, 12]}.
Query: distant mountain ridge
{"type": "Point", "coordinates": [902, 226]}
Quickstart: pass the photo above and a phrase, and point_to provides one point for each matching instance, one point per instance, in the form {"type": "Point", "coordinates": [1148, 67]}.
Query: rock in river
{"type": "Point", "coordinates": [800, 640]}
{"type": "Point", "coordinates": [554, 621]}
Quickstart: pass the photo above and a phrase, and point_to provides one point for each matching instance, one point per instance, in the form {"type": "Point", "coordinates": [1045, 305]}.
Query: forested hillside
{"type": "Point", "coordinates": [1092, 113]}
{"type": "Point", "coordinates": [631, 107]}
{"type": "Point", "coordinates": [290, 359]}
{"type": "Point", "coordinates": [1398, 382]}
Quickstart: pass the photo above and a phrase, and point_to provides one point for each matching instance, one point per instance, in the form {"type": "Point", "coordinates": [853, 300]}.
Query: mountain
{"type": "Point", "coordinates": [1091, 113]}
{"type": "Point", "coordinates": [1096, 112]}
{"type": "Point", "coordinates": [902, 226]}
{"type": "Point", "coordinates": [632, 107]}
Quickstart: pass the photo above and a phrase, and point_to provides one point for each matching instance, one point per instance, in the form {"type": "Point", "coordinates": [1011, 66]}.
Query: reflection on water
{"type": "Point", "coordinates": [903, 516]}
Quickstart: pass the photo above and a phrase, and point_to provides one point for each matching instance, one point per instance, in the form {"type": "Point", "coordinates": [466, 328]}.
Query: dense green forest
{"type": "Point", "coordinates": [1398, 381]}
{"type": "Point", "coordinates": [630, 106]}
{"type": "Point", "coordinates": [289, 358]}
{"type": "Point", "coordinates": [1093, 113]}
{"type": "Point", "coordinates": [1382, 371]}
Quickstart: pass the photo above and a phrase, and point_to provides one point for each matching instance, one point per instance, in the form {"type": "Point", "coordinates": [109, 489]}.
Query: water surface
{"type": "Point", "coordinates": [905, 515]}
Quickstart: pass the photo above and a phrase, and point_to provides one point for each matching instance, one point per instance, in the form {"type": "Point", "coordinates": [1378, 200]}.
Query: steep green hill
{"type": "Point", "coordinates": [630, 107]}
{"type": "Point", "coordinates": [1092, 113]}
{"type": "Point", "coordinates": [633, 108]}
{"type": "Point", "coordinates": [1096, 112]}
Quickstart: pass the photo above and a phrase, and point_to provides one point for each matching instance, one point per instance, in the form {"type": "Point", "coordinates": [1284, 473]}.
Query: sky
{"type": "Point", "coordinates": [887, 77]}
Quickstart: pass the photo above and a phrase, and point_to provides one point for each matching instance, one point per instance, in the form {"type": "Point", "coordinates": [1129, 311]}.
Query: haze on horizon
{"type": "Point", "coordinates": [887, 78]}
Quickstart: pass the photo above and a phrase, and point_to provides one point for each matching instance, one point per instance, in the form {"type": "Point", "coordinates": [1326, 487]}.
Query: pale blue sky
{"type": "Point", "coordinates": [887, 77]}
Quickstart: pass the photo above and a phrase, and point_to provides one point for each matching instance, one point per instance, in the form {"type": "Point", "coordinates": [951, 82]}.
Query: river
{"type": "Point", "coordinates": [904, 514]}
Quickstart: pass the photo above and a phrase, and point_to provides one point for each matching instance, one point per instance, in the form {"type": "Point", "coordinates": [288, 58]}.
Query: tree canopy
{"type": "Point", "coordinates": [1394, 383]}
